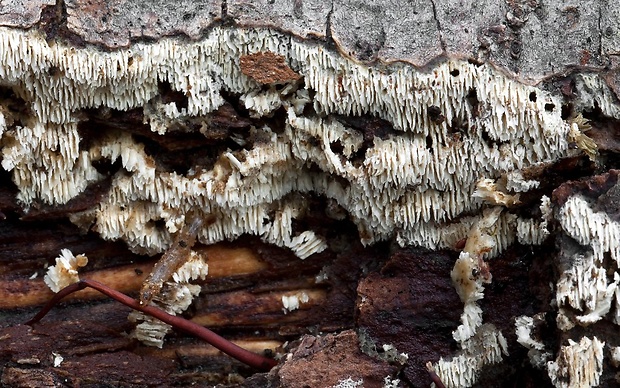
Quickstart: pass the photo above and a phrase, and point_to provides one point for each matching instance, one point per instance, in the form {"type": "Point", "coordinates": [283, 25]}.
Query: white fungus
{"type": "Point", "coordinates": [65, 272]}
{"type": "Point", "coordinates": [349, 383]}
{"type": "Point", "coordinates": [388, 382]}
{"type": "Point", "coordinates": [462, 370]}
{"type": "Point", "coordinates": [409, 184]}
{"type": "Point", "coordinates": [292, 302]}
{"type": "Point", "coordinates": [57, 359]}
{"type": "Point", "coordinates": [481, 344]}
{"type": "Point", "coordinates": [585, 293]}
{"type": "Point", "coordinates": [471, 272]}
{"type": "Point", "coordinates": [491, 193]}
{"type": "Point", "coordinates": [175, 297]}
{"type": "Point", "coordinates": [524, 325]}
{"type": "Point", "coordinates": [578, 365]}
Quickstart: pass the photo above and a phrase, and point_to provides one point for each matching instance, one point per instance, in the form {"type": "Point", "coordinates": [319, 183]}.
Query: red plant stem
{"type": "Point", "coordinates": [436, 380]}
{"type": "Point", "coordinates": [235, 351]}
{"type": "Point", "coordinates": [433, 376]}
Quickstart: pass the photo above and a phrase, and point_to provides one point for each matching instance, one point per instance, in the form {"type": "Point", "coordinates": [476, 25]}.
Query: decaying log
{"type": "Point", "coordinates": [378, 189]}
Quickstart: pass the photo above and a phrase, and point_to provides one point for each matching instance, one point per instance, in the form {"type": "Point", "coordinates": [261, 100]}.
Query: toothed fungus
{"type": "Point", "coordinates": [174, 298]}
{"type": "Point", "coordinates": [292, 302]}
{"type": "Point", "coordinates": [579, 364]}
{"type": "Point", "coordinates": [410, 184]}
{"type": "Point", "coordinates": [538, 354]}
{"type": "Point", "coordinates": [481, 344]}
{"type": "Point", "coordinates": [462, 370]}
{"type": "Point", "coordinates": [65, 271]}
{"type": "Point", "coordinates": [584, 286]}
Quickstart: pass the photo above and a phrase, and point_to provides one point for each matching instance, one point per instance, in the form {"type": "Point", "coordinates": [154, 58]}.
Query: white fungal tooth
{"type": "Point", "coordinates": [579, 364]}
{"type": "Point", "coordinates": [294, 301]}
{"type": "Point", "coordinates": [175, 297]}
{"type": "Point", "coordinates": [65, 272]}
{"type": "Point", "coordinates": [485, 348]}
{"type": "Point", "coordinates": [537, 353]}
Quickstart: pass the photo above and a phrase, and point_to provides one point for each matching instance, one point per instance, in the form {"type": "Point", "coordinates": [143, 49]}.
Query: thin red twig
{"type": "Point", "coordinates": [433, 376]}
{"type": "Point", "coordinates": [245, 356]}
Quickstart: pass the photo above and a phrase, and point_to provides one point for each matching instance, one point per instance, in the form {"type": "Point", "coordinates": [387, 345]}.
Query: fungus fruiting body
{"type": "Point", "coordinates": [65, 272]}
{"type": "Point", "coordinates": [412, 184]}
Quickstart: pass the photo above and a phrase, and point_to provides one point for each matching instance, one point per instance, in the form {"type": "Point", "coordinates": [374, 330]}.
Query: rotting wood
{"type": "Point", "coordinates": [360, 281]}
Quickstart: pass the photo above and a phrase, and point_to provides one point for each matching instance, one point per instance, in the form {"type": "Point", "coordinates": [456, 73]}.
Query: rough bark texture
{"type": "Point", "coordinates": [368, 296]}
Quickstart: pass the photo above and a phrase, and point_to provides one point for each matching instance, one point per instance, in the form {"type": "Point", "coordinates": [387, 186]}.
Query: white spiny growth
{"type": "Point", "coordinates": [470, 273]}
{"type": "Point", "coordinates": [389, 383]}
{"type": "Point", "coordinates": [586, 291]}
{"type": "Point", "coordinates": [517, 183]}
{"type": "Point", "coordinates": [532, 231]}
{"type": "Point", "coordinates": [462, 370]}
{"type": "Point", "coordinates": [578, 365]}
{"type": "Point", "coordinates": [586, 286]}
{"type": "Point", "coordinates": [292, 302]}
{"type": "Point", "coordinates": [47, 162]}
{"type": "Point", "coordinates": [175, 297]}
{"type": "Point", "coordinates": [594, 91]}
{"type": "Point", "coordinates": [590, 228]}
{"type": "Point", "coordinates": [524, 326]}
{"type": "Point", "coordinates": [410, 183]}
{"type": "Point", "coordinates": [481, 344]}
{"type": "Point", "coordinates": [65, 272]}
{"type": "Point", "coordinates": [3, 123]}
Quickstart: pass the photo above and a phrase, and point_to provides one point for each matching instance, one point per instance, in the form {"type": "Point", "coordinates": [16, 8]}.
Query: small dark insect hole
{"type": "Point", "coordinates": [533, 96]}
{"type": "Point", "coordinates": [455, 73]}
{"type": "Point", "coordinates": [434, 113]}
{"type": "Point", "coordinates": [549, 107]}
{"type": "Point", "coordinates": [472, 99]}
{"type": "Point", "coordinates": [487, 139]}
{"type": "Point", "coordinates": [314, 141]}
{"type": "Point", "coordinates": [429, 143]}
{"type": "Point", "coordinates": [159, 224]}
{"type": "Point", "coordinates": [567, 111]}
